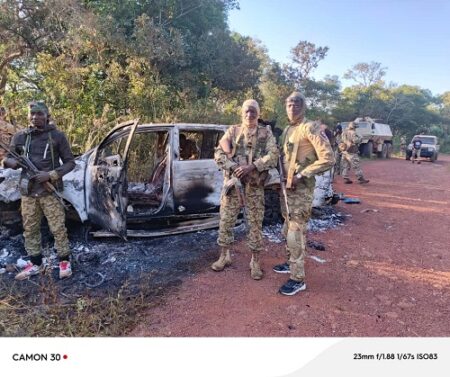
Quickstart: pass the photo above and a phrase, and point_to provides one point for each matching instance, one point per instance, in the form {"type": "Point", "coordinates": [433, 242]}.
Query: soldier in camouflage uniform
{"type": "Point", "coordinates": [403, 146]}
{"type": "Point", "coordinates": [349, 150]}
{"type": "Point", "coordinates": [245, 153]}
{"type": "Point", "coordinates": [45, 146]}
{"type": "Point", "coordinates": [337, 152]}
{"type": "Point", "coordinates": [306, 152]}
{"type": "Point", "coordinates": [7, 131]}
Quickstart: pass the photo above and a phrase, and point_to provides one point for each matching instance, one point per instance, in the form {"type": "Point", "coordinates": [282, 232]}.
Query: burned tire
{"type": "Point", "coordinates": [366, 149]}
{"type": "Point", "coordinates": [390, 149]}
{"type": "Point", "coordinates": [272, 210]}
{"type": "Point", "coordinates": [384, 151]}
{"type": "Point", "coordinates": [433, 157]}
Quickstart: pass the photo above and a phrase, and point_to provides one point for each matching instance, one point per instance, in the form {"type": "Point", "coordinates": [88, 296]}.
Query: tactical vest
{"type": "Point", "coordinates": [247, 151]}
{"type": "Point", "coordinates": [291, 156]}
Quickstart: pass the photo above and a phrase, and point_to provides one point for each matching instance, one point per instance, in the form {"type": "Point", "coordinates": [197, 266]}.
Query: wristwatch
{"type": "Point", "coordinates": [298, 176]}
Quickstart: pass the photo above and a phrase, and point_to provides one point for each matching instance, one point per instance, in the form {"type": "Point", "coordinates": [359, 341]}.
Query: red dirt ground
{"type": "Point", "coordinates": [387, 270]}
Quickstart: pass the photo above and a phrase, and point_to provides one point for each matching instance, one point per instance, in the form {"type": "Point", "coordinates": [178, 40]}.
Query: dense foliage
{"type": "Point", "coordinates": [97, 62]}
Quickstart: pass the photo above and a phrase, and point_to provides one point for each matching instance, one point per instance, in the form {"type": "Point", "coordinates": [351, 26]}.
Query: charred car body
{"type": "Point", "coordinates": [149, 180]}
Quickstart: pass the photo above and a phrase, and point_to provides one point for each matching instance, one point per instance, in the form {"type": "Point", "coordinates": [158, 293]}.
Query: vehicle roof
{"type": "Point", "coordinates": [169, 125]}
{"type": "Point", "coordinates": [433, 136]}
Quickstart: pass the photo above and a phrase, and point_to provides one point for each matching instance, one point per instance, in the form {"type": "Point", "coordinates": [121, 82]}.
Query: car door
{"type": "Point", "coordinates": [106, 180]}
{"type": "Point", "coordinates": [197, 181]}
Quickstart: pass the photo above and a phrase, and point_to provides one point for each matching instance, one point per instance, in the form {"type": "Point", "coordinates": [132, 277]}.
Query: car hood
{"type": "Point", "coordinates": [423, 146]}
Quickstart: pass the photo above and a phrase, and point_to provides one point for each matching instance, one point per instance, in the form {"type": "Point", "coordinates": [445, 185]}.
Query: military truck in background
{"type": "Point", "coordinates": [376, 137]}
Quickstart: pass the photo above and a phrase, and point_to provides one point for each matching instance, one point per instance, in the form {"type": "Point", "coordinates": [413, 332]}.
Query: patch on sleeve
{"type": "Point", "coordinates": [324, 136]}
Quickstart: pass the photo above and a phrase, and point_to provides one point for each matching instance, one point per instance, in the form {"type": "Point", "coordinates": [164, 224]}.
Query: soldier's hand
{"type": "Point", "coordinates": [295, 180]}
{"type": "Point", "coordinates": [242, 171]}
{"type": "Point", "coordinates": [10, 163]}
{"type": "Point", "coordinates": [42, 176]}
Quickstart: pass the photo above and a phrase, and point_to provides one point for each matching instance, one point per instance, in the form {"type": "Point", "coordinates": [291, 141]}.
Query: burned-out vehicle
{"type": "Point", "coordinates": [148, 177]}
{"type": "Point", "coordinates": [149, 180]}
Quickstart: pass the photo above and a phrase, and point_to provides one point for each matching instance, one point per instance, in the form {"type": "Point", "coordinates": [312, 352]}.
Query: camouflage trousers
{"type": "Point", "coordinates": [229, 211]}
{"type": "Point", "coordinates": [294, 229]}
{"type": "Point", "coordinates": [351, 160]}
{"type": "Point", "coordinates": [403, 150]}
{"type": "Point", "coordinates": [32, 211]}
{"type": "Point", "coordinates": [415, 155]}
{"type": "Point", "coordinates": [338, 164]}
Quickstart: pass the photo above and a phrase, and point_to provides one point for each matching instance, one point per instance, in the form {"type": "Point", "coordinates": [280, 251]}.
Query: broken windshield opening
{"type": "Point", "coordinates": [147, 171]}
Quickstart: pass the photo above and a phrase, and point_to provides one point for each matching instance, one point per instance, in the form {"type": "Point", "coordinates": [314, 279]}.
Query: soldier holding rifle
{"type": "Point", "coordinates": [45, 156]}
{"type": "Point", "coordinates": [306, 152]}
{"type": "Point", "coordinates": [245, 153]}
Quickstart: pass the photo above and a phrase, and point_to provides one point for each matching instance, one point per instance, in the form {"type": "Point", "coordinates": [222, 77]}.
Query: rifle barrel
{"type": "Point", "coordinates": [283, 187]}
{"type": "Point", "coordinates": [27, 164]}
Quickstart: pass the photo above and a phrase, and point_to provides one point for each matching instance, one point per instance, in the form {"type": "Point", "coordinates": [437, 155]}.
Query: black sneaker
{"type": "Point", "coordinates": [292, 287]}
{"type": "Point", "coordinates": [282, 268]}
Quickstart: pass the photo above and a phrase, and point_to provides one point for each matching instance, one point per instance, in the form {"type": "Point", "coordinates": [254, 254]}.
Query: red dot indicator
{"type": "Point", "coordinates": [65, 357]}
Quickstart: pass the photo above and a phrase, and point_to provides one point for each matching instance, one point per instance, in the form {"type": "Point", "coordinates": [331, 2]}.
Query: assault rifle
{"type": "Point", "coordinates": [283, 186]}
{"type": "Point", "coordinates": [236, 183]}
{"type": "Point", "coordinates": [31, 170]}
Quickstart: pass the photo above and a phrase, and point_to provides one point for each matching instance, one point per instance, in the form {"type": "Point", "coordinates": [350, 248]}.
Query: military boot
{"type": "Point", "coordinates": [348, 181]}
{"type": "Point", "coordinates": [255, 268]}
{"type": "Point", "coordinates": [362, 180]}
{"type": "Point", "coordinates": [223, 261]}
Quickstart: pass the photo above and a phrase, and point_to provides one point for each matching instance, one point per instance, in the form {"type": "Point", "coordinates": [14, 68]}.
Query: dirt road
{"type": "Point", "coordinates": [386, 271]}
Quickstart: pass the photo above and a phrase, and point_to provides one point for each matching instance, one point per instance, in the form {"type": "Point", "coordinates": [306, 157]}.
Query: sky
{"type": "Point", "coordinates": [409, 37]}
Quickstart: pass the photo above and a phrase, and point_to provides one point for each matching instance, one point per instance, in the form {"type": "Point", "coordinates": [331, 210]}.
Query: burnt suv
{"type": "Point", "coordinates": [145, 180]}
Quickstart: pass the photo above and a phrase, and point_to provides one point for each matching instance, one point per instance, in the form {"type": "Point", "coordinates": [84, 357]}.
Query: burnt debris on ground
{"type": "Point", "coordinates": [103, 267]}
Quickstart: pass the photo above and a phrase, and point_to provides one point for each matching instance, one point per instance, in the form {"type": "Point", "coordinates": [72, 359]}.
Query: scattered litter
{"type": "Point", "coordinates": [2, 270]}
{"type": "Point", "coordinates": [348, 200]}
{"type": "Point", "coordinates": [109, 260]}
{"type": "Point", "coordinates": [97, 284]}
{"type": "Point", "coordinates": [273, 233]}
{"type": "Point", "coordinates": [81, 248]}
{"type": "Point", "coordinates": [4, 253]}
{"type": "Point", "coordinates": [21, 263]}
{"type": "Point", "coordinates": [317, 259]}
{"type": "Point", "coordinates": [369, 210]}
{"type": "Point", "coordinates": [316, 245]}
{"type": "Point", "coordinates": [10, 268]}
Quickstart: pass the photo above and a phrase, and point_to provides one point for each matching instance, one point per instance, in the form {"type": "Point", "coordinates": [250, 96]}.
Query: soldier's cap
{"type": "Point", "coordinates": [296, 96]}
{"type": "Point", "coordinates": [38, 106]}
{"type": "Point", "coordinates": [250, 103]}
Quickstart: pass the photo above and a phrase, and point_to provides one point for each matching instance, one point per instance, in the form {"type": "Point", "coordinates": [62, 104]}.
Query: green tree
{"type": "Point", "coordinates": [366, 74]}
{"type": "Point", "coordinates": [305, 57]}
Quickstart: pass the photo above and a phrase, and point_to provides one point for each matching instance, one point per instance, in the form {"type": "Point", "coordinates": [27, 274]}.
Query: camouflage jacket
{"type": "Point", "coordinates": [45, 149]}
{"type": "Point", "coordinates": [314, 153]}
{"type": "Point", "coordinates": [260, 148]}
{"type": "Point", "coordinates": [352, 140]}
{"type": "Point", "coordinates": [7, 131]}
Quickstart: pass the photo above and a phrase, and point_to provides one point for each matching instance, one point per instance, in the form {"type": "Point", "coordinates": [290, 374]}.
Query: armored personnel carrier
{"type": "Point", "coordinates": [376, 137]}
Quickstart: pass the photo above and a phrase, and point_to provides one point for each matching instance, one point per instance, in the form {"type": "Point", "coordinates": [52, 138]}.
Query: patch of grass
{"type": "Point", "coordinates": [45, 311]}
